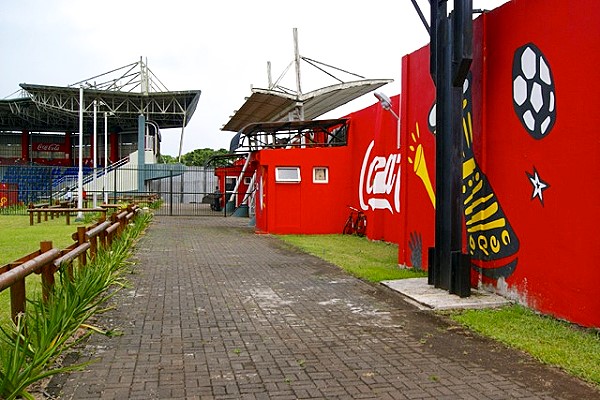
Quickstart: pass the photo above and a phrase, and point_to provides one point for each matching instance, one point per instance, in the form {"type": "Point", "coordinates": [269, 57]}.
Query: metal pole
{"type": "Point", "coordinates": [141, 152]}
{"type": "Point", "coordinates": [80, 171]}
{"type": "Point", "coordinates": [104, 183]}
{"type": "Point", "coordinates": [171, 192]}
{"type": "Point", "coordinates": [443, 142]}
{"type": "Point", "coordinates": [299, 105]}
{"type": "Point", "coordinates": [181, 137]}
{"type": "Point", "coordinates": [95, 163]}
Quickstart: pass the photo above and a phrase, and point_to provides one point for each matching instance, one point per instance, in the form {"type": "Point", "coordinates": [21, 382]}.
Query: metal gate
{"type": "Point", "coordinates": [187, 191]}
{"type": "Point", "coordinates": [170, 189]}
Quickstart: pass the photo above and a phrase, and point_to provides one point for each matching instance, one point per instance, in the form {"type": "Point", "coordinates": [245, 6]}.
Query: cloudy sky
{"type": "Point", "coordinates": [218, 47]}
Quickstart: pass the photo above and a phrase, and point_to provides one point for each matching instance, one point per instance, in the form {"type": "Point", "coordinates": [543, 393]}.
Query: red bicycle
{"type": "Point", "coordinates": [356, 223]}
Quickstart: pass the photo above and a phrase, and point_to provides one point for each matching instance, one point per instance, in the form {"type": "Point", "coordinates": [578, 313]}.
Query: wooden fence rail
{"type": "Point", "coordinates": [48, 260]}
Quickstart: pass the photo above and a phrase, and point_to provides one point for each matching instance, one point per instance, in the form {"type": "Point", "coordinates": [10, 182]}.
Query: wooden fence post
{"type": "Point", "coordinates": [93, 247]}
{"type": "Point", "coordinates": [121, 220]}
{"type": "Point", "coordinates": [81, 240]}
{"type": "Point", "coordinates": [103, 233]}
{"type": "Point", "coordinates": [47, 273]}
{"type": "Point", "coordinates": [30, 206]}
{"type": "Point", "coordinates": [17, 298]}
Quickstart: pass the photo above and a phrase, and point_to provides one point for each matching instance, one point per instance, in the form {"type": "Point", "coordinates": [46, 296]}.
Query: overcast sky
{"type": "Point", "coordinates": [218, 47]}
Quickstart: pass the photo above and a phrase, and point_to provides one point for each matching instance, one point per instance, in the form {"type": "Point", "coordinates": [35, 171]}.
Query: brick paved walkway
{"type": "Point", "coordinates": [217, 312]}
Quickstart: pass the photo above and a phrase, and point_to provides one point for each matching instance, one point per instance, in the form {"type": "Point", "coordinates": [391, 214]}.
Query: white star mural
{"type": "Point", "coordinates": [538, 185]}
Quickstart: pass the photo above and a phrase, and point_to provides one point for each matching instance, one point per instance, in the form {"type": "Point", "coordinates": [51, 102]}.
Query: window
{"type": "Point", "coordinates": [247, 180]}
{"type": "Point", "coordinates": [230, 182]}
{"type": "Point", "coordinates": [287, 174]}
{"type": "Point", "coordinates": [320, 175]}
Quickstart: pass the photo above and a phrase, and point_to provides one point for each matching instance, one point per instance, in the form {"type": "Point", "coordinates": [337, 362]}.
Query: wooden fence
{"type": "Point", "coordinates": [47, 260]}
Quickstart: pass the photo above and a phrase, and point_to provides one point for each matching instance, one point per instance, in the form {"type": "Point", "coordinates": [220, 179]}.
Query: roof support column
{"type": "Point", "coordinates": [25, 145]}
{"type": "Point", "coordinates": [114, 147]}
{"type": "Point", "coordinates": [68, 149]}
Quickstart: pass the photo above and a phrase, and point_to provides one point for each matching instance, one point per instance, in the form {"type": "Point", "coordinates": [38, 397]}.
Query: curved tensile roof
{"type": "Point", "coordinates": [265, 105]}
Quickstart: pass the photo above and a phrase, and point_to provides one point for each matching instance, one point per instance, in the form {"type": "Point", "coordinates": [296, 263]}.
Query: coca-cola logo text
{"type": "Point", "coordinates": [47, 147]}
{"type": "Point", "coordinates": [379, 186]}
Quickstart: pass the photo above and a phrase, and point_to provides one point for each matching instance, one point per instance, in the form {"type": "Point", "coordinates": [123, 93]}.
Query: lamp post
{"type": "Point", "coordinates": [386, 104]}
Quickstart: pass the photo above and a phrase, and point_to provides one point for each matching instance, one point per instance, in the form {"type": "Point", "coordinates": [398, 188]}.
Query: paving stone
{"type": "Point", "coordinates": [215, 311]}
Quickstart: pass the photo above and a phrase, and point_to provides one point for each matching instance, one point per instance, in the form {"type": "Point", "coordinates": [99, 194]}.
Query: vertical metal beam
{"type": "Point", "coordinates": [141, 152]}
{"type": "Point", "coordinates": [299, 105]}
{"type": "Point", "coordinates": [443, 142]}
{"type": "Point", "coordinates": [450, 59]}
{"type": "Point", "coordinates": [104, 183]}
{"type": "Point", "coordinates": [269, 77]}
{"type": "Point", "coordinates": [95, 155]}
{"type": "Point", "coordinates": [80, 170]}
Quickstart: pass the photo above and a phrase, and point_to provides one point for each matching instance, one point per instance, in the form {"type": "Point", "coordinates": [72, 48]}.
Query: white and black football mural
{"type": "Point", "coordinates": [534, 94]}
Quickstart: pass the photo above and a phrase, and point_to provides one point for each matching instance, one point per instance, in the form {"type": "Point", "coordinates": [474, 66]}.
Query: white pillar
{"type": "Point", "coordinates": [80, 172]}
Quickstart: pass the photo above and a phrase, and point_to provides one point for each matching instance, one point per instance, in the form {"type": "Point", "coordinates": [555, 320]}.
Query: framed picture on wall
{"type": "Point", "coordinates": [320, 175]}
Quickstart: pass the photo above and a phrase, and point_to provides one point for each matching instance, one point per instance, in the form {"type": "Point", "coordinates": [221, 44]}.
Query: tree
{"type": "Point", "coordinates": [167, 159]}
{"type": "Point", "coordinates": [199, 157]}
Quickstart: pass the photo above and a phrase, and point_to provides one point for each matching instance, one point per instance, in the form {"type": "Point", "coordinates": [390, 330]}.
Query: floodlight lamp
{"type": "Point", "coordinates": [385, 101]}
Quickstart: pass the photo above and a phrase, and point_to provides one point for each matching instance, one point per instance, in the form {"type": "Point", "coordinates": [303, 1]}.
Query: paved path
{"type": "Point", "coordinates": [217, 312]}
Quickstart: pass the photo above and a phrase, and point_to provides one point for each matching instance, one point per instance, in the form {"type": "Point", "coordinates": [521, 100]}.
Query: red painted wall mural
{"type": "Point", "coordinates": [529, 156]}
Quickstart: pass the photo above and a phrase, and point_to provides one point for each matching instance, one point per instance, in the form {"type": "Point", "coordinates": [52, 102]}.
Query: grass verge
{"type": "Point", "coordinates": [364, 259]}
{"type": "Point", "coordinates": [574, 349]}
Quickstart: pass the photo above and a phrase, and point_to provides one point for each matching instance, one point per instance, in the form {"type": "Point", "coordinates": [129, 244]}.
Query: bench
{"type": "Point", "coordinates": [60, 210]}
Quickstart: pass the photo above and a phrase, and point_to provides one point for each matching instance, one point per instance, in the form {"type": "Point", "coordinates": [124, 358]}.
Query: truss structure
{"type": "Point", "coordinates": [123, 93]}
{"type": "Point", "coordinates": [279, 103]}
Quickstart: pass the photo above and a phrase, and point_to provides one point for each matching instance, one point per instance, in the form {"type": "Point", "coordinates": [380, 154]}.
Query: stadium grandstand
{"type": "Point", "coordinates": [48, 134]}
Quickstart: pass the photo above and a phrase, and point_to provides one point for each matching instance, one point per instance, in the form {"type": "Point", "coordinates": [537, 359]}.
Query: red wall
{"type": "Point", "coordinates": [304, 207]}
{"type": "Point", "coordinates": [537, 182]}
{"type": "Point", "coordinates": [557, 271]}
{"type": "Point", "coordinates": [355, 175]}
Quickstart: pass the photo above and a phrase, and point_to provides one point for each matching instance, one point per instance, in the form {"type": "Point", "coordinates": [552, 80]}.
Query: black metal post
{"type": "Point", "coordinates": [451, 55]}
{"type": "Point", "coordinates": [171, 192]}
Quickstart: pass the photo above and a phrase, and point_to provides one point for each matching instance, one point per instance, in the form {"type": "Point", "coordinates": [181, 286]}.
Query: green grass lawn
{"type": "Point", "coordinates": [18, 238]}
{"type": "Point", "coordinates": [551, 341]}
{"type": "Point", "coordinates": [572, 348]}
{"type": "Point", "coordinates": [365, 259]}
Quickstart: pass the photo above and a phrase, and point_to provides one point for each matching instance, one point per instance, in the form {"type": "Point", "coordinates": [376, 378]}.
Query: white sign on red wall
{"type": "Point", "coordinates": [51, 147]}
{"type": "Point", "coordinates": [379, 186]}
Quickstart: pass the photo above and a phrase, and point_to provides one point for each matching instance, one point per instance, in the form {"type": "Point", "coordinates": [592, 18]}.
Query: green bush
{"type": "Point", "coordinates": [31, 348]}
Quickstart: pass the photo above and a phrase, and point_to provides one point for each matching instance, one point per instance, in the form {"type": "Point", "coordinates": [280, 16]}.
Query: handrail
{"type": "Point", "coordinates": [95, 231]}
{"type": "Point", "coordinates": [48, 260]}
{"type": "Point", "coordinates": [8, 278]}
{"type": "Point", "coordinates": [70, 256]}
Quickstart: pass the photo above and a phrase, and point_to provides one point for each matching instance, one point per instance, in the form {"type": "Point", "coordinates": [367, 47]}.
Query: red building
{"type": "Point", "coordinates": [530, 160]}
